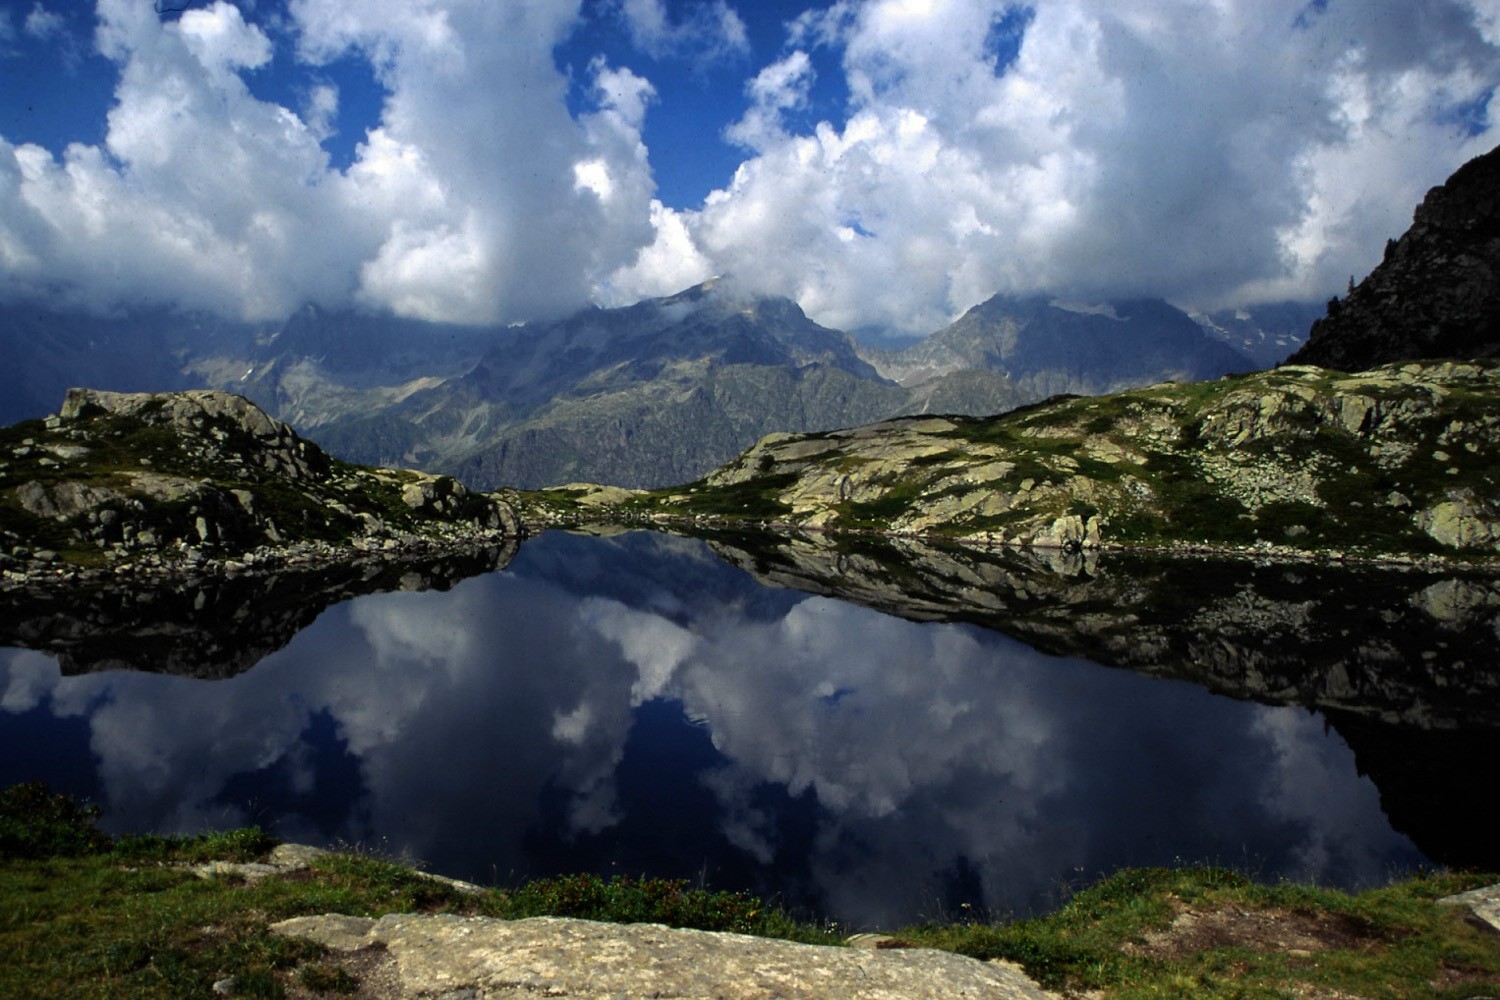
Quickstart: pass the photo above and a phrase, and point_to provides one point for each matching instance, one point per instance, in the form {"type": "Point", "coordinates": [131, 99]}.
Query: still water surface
{"type": "Point", "coordinates": [634, 705]}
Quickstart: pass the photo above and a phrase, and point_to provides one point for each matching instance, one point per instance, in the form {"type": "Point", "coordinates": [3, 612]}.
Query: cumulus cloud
{"type": "Point", "coordinates": [708, 31]}
{"type": "Point", "coordinates": [671, 262]}
{"type": "Point", "coordinates": [504, 231]}
{"type": "Point", "coordinates": [462, 204]}
{"type": "Point", "coordinates": [776, 89]}
{"type": "Point", "coordinates": [1216, 154]}
{"type": "Point", "coordinates": [1233, 152]}
{"type": "Point", "coordinates": [320, 109]}
{"type": "Point", "coordinates": [200, 194]}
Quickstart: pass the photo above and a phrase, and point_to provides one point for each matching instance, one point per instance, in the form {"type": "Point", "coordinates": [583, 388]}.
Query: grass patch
{"type": "Point", "coordinates": [327, 979]}
{"type": "Point", "coordinates": [1209, 932]}
{"type": "Point", "coordinates": [91, 917]}
{"type": "Point", "coordinates": [1191, 507]}
{"type": "Point", "coordinates": [36, 823]}
{"type": "Point", "coordinates": [945, 457]}
{"type": "Point", "coordinates": [755, 499]}
{"type": "Point", "coordinates": [88, 917]}
{"type": "Point", "coordinates": [657, 901]}
{"type": "Point", "coordinates": [879, 512]}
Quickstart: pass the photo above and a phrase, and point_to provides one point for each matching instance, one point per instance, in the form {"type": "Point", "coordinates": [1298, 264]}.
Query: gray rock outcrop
{"type": "Point", "coordinates": [1399, 460]}
{"type": "Point", "coordinates": [479, 957]}
{"type": "Point", "coordinates": [200, 477]}
{"type": "Point", "coordinates": [226, 422]}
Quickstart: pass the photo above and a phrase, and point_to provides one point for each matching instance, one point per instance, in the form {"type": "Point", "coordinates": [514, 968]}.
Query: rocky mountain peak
{"type": "Point", "coordinates": [1436, 293]}
{"type": "Point", "coordinates": [1048, 346]}
{"type": "Point", "coordinates": [221, 423]}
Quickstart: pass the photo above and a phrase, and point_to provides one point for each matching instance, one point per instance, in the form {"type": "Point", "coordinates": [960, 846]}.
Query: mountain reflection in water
{"type": "Point", "coordinates": [636, 705]}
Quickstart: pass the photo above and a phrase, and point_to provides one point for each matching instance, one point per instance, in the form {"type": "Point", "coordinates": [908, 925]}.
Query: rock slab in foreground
{"type": "Point", "coordinates": [580, 959]}
{"type": "Point", "coordinates": [1483, 903]}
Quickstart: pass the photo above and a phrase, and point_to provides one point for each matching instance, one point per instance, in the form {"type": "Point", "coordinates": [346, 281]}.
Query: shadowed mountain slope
{"type": "Point", "coordinates": [1046, 346]}
{"type": "Point", "coordinates": [1436, 294]}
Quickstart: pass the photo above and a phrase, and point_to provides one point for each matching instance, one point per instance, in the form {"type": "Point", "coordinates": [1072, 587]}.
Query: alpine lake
{"type": "Point", "coordinates": [866, 731]}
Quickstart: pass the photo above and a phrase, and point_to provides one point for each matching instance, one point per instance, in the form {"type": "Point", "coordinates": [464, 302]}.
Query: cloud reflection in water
{"type": "Point", "coordinates": [569, 712]}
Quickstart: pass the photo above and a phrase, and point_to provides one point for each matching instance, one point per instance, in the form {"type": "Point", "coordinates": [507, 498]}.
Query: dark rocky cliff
{"type": "Point", "coordinates": [1437, 292]}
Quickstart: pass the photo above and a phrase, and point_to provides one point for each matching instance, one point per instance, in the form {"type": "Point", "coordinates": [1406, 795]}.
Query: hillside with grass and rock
{"type": "Point", "coordinates": [117, 484]}
{"type": "Point", "coordinates": [1401, 461]}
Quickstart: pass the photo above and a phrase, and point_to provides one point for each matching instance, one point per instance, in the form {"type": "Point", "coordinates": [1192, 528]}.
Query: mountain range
{"type": "Point", "coordinates": [1047, 346]}
{"type": "Point", "coordinates": [650, 394]}
{"type": "Point", "coordinates": [665, 390]}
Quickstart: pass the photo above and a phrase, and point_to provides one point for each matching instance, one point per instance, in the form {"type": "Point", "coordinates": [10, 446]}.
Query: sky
{"type": "Point", "coordinates": [886, 163]}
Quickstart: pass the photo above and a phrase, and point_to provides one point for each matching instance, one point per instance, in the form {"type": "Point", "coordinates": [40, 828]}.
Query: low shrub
{"type": "Point", "coordinates": [36, 822]}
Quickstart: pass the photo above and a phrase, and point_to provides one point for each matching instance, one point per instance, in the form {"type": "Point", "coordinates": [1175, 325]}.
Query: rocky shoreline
{"type": "Point", "coordinates": [42, 568]}
{"type": "Point", "coordinates": [1394, 466]}
{"type": "Point", "coordinates": [542, 517]}
{"type": "Point", "coordinates": [31, 569]}
{"type": "Point", "coordinates": [1390, 468]}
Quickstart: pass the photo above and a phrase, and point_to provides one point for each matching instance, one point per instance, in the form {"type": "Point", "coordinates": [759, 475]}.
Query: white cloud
{"type": "Point", "coordinates": [1207, 153]}
{"type": "Point", "coordinates": [220, 38]}
{"type": "Point", "coordinates": [780, 87]}
{"type": "Point", "coordinates": [42, 23]}
{"type": "Point", "coordinates": [710, 30]}
{"type": "Point", "coordinates": [622, 92]}
{"type": "Point", "coordinates": [1213, 153]}
{"type": "Point", "coordinates": [320, 109]}
{"type": "Point", "coordinates": [669, 264]}
{"type": "Point", "coordinates": [462, 204]}
{"type": "Point", "coordinates": [200, 194]}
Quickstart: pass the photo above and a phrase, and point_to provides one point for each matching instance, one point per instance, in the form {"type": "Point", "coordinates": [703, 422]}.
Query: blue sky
{"type": "Point", "coordinates": [887, 163]}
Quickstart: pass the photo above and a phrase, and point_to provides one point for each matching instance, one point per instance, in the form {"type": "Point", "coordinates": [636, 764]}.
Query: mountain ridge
{"type": "Point", "coordinates": [1048, 346]}
{"type": "Point", "coordinates": [645, 395]}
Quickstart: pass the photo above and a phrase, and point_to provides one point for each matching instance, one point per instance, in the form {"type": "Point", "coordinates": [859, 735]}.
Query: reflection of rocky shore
{"type": "Point", "coordinates": [1403, 647]}
{"type": "Point", "coordinates": [1401, 663]}
{"type": "Point", "coordinates": [212, 626]}
{"type": "Point", "coordinates": [1426, 783]}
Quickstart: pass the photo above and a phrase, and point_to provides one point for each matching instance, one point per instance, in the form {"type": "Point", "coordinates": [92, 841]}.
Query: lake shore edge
{"type": "Point", "coordinates": [535, 521]}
